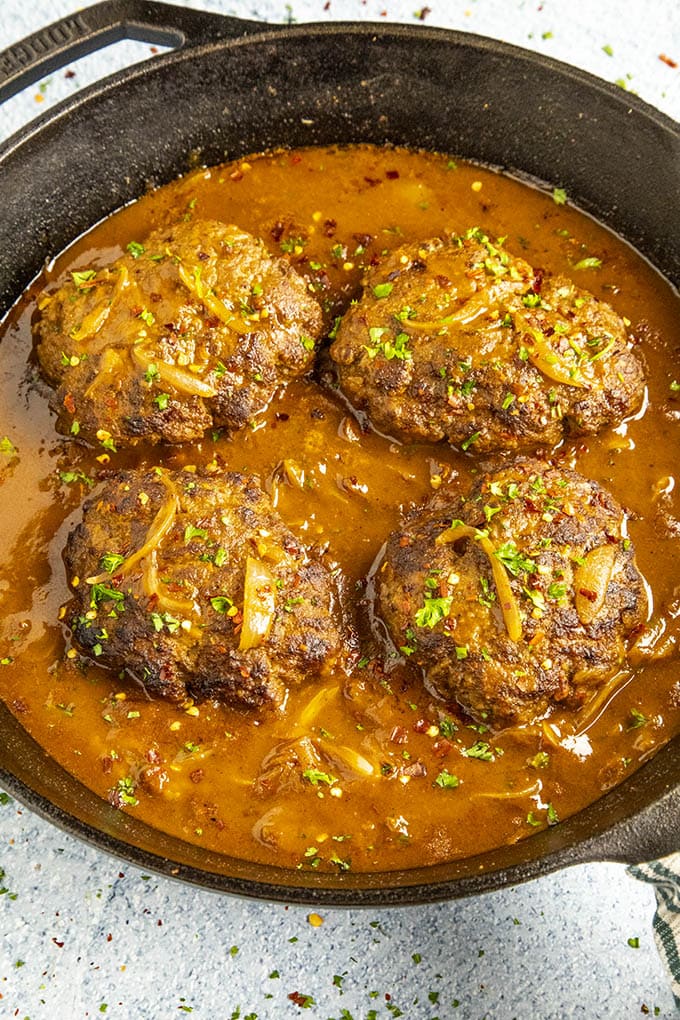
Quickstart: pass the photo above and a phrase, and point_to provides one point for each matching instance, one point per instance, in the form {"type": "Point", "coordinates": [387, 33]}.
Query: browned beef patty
{"type": "Point", "coordinates": [459, 340]}
{"type": "Point", "coordinates": [196, 327]}
{"type": "Point", "coordinates": [517, 597]}
{"type": "Point", "coordinates": [193, 586]}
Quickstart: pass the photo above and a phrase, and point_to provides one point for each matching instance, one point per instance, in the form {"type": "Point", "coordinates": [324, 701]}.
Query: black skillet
{"type": "Point", "coordinates": [232, 87]}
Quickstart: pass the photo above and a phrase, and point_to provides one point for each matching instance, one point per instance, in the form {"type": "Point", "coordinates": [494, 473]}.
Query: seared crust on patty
{"type": "Point", "coordinates": [196, 327]}
{"type": "Point", "coordinates": [517, 597]}
{"type": "Point", "coordinates": [192, 584]}
{"type": "Point", "coordinates": [458, 340]}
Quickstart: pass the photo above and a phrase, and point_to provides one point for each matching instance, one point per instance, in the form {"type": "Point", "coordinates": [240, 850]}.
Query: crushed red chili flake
{"type": "Point", "coordinates": [667, 60]}
{"type": "Point", "coordinates": [303, 1001]}
{"type": "Point", "coordinates": [423, 13]}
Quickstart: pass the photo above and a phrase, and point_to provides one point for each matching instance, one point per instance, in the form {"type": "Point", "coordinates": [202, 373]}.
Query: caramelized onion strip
{"type": "Point", "coordinates": [179, 379]}
{"type": "Point", "coordinates": [506, 597]}
{"type": "Point", "coordinates": [95, 319]}
{"type": "Point", "coordinates": [217, 307]}
{"type": "Point", "coordinates": [259, 604]}
{"type": "Point", "coordinates": [160, 526]}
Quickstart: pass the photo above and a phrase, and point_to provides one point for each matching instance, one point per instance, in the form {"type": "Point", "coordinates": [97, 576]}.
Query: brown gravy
{"type": "Point", "coordinates": [190, 770]}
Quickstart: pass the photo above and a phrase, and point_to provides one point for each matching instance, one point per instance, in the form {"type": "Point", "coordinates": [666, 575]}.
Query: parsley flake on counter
{"type": "Point", "coordinates": [559, 196]}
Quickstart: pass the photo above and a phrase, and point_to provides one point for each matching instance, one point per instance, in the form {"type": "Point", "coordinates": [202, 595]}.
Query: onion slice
{"type": "Point", "coordinates": [177, 378]}
{"type": "Point", "coordinates": [160, 526]}
{"type": "Point", "coordinates": [506, 596]}
{"type": "Point", "coordinates": [591, 580]}
{"type": "Point", "coordinates": [217, 307]}
{"type": "Point", "coordinates": [259, 604]}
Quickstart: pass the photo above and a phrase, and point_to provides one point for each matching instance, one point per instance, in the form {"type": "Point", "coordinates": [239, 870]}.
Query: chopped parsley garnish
{"type": "Point", "coordinates": [163, 400]}
{"type": "Point", "coordinates": [146, 316]}
{"type": "Point", "coordinates": [513, 560]}
{"type": "Point", "coordinates": [446, 781]}
{"type": "Point", "coordinates": [221, 603]}
{"type": "Point", "coordinates": [557, 590]}
{"type": "Point", "coordinates": [467, 443]}
{"type": "Point", "coordinates": [559, 196]}
{"type": "Point", "coordinates": [553, 817]}
{"type": "Point", "coordinates": [508, 400]}
{"type": "Point", "coordinates": [532, 820]}
{"type": "Point", "coordinates": [539, 761]}
{"type": "Point", "coordinates": [637, 720]}
{"type": "Point", "coordinates": [103, 593]}
{"type": "Point", "coordinates": [125, 791]}
{"type": "Point", "coordinates": [110, 562]}
{"type": "Point", "coordinates": [83, 278]}
{"type": "Point", "coordinates": [135, 249]}
{"type": "Point", "coordinates": [588, 263]}
{"type": "Point", "coordinates": [291, 243]}
{"type": "Point", "coordinates": [315, 776]}
{"type": "Point", "coordinates": [69, 477]}
{"type": "Point", "coordinates": [191, 532]}
{"type": "Point", "coordinates": [151, 373]}
{"type": "Point", "coordinates": [160, 620]}
{"type": "Point", "coordinates": [447, 727]}
{"type": "Point", "coordinates": [480, 750]}
{"type": "Point", "coordinates": [397, 348]}
{"type": "Point", "coordinates": [433, 611]}
{"type": "Point", "coordinates": [531, 300]}
{"type": "Point", "coordinates": [383, 290]}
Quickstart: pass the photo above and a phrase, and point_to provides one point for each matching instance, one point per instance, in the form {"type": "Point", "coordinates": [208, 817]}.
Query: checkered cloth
{"type": "Point", "coordinates": [665, 877]}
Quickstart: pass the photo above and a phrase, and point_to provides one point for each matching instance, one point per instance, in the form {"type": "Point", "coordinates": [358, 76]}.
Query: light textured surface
{"type": "Point", "coordinates": [83, 936]}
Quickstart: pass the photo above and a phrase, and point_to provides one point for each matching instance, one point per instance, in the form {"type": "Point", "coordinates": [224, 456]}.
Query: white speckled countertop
{"type": "Point", "coordinates": [82, 935]}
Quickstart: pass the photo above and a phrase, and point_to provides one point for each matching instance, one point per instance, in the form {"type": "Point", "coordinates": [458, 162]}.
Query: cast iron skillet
{"type": "Point", "coordinates": [232, 87]}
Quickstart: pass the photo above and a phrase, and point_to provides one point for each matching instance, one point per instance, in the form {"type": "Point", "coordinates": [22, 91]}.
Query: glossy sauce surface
{"type": "Point", "coordinates": [224, 779]}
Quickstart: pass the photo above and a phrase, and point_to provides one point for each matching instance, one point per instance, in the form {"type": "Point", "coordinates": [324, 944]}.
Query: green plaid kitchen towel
{"type": "Point", "coordinates": [665, 877]}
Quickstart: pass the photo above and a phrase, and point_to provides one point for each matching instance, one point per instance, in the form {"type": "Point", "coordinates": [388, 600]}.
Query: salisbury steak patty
{"type": "Point", "coordinates": [459, 340]}
{"type": "Point", "coordinates": [517, 597]}
{"type": "Point", "coordinates": [195, 327]}
{"type": "Point", "coordinates": [193, 585]}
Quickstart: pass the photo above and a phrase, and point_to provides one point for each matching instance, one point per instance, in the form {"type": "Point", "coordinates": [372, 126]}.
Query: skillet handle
{"type": "Point", "coordinates": [95, 27]}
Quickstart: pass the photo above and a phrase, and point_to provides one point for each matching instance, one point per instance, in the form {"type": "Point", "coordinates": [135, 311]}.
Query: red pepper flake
{"type": "Point", "coordinates": [442, 747]}
{"type": "Point", "coordinates": [588, 594]}
{"type": "Point", "coordinates": [69, 74]}
{"type": "Point", "coordinates": [69, 403]}
{"type": "Point", "coordinates": [668, 61]}
{"type": "Point", "coordinates": [421, 726]}
{"type": "Point", "coordinates": [59, 944]}
{"type": "Point", "coordinates": [303, 1001]}
{"type": "Point", "coordinates": [327, 5]}
{"type": "Point", "coordinates": [422, 13]}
